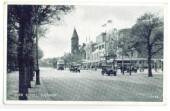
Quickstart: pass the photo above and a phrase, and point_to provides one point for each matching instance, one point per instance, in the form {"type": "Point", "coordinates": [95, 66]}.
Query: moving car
{"type": "Point", "coordinates": [74, 69]}
{"type": "Point", "coordinates": [60, 68]}
{"type": "Point", "coordinates": [109, 70]}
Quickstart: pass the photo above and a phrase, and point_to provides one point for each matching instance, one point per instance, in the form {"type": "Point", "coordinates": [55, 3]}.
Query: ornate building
{"type": "Point", "coordinates": [75, 43]}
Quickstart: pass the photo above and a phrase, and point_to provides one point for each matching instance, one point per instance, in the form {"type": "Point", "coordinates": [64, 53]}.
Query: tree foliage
{"type": "Point", "coordinates": [111, 44]}
{"type": "Point", "coordinates": [26, 19]}
{"type": "Point", "coordinates": [41, 15]}
{"type": "Point", "coordinates": [148, 36]}
{"type": "Point", "coordinates": [40, 53]}
{"type": "Point", "coordinates": [125, 42]}
{"type": "Point", "coordinates": [148, 28]}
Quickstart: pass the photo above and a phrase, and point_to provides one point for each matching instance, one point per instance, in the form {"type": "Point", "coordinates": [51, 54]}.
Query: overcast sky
{"type": "Point", "coordinates": [88, 21]}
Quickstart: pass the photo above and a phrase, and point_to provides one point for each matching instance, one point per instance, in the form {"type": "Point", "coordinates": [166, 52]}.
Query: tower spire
{"type": "Point", "coordinates": [75, 35]}
{"type": "Point", "coordinates": [74, 42]}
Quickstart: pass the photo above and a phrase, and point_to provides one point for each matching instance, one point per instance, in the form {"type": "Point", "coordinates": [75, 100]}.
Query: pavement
{"type": "Point", "coordinates": [90, 85]}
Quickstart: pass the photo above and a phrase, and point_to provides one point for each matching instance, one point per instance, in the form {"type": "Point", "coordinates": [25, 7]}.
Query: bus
{"type": "Point", "coordinates": [60, 64]}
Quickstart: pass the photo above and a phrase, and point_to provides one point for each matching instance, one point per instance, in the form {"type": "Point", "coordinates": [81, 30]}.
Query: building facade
{"type": "Point", "coordinates": [107, 50]}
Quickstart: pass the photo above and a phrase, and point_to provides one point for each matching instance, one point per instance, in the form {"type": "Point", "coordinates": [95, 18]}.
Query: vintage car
{"type": "Point", "coordinates": [74, 69]}
{"type": "Point", "coordinates": [109, 70]}
{"type": "Point", "coordinates": [133, 69]}
{"type": "Point", "coordinates": [60, 68]}
{"type": "Point", "coordinates": [127, 68]}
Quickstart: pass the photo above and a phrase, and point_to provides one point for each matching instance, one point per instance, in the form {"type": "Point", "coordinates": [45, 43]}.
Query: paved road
{"type": "Point", "coordinates": [92, 86]}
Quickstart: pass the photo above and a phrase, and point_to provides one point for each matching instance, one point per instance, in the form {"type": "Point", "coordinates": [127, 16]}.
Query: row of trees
{"type": "Point", "coordinates": [27, 21]}
{"type": "Point", "coordinates": [145, 37]}
{"type": "Point", "coordinates": [70, 58]}
{"type": "Point", "coordinates": [67, 57]}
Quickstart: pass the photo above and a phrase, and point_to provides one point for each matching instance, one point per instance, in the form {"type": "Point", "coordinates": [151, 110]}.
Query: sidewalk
{"type": "Point", "coordinates": [37, 92]}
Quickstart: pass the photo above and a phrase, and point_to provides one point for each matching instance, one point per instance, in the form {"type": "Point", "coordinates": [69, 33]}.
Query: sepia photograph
{"type": "Point", "coordinates": [87, 53]}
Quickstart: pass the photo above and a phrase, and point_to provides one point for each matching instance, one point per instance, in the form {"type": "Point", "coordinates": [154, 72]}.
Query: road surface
{"type": "Point", "coordinates": [90, 85]}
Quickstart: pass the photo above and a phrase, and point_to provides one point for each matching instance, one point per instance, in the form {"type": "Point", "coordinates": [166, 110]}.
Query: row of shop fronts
{"type": "Point", "coordinates": [140, 63]}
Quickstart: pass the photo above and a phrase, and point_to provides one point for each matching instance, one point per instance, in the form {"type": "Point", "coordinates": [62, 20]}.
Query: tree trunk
{"type": "Point", "coordinates": [122, 69]}
{"type": "Point", "coordinates": [130, 68]}
{"type": "Point", "coordinates": [32, 71]}
{"type": "Point", "coordinates": [29, 74]}
{"type": "Point", "coordinates": [149, 48]}
{"type": "Point", "coordinates": [24, 49]}
{"type": "Point", "coordinates": [37, 70]}
{"type": "Point", "coordinates": [23, 89]}
{"type": "Point", "coordinates": [149, 62]}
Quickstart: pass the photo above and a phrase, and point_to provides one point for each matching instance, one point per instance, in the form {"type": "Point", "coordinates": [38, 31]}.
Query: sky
{"type": "Point", "coordinates": [88, 21]}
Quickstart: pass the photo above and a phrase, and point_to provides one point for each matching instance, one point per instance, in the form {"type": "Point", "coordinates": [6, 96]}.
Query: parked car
{"type": "Point", "coordinates": [133, 69]}
{"type": "Point", "coordinates": [108, 70]}
{"type": "Point", "coordinates": [74, 69]}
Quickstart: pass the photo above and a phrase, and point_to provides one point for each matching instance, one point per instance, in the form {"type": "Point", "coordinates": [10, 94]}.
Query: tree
{"type": "Point", "coordinates": [12, 41]}
{"type": "Point", "coordinates": [29, 18]}
{"type": "Point", "coordinates": [111, 47]}
{"type": "Point", "coordinates": [124, 45]}
{"type": "Point", "coordinates": [67, 59]}
{"type": "Point", "coordinates": [82, 51]}
{"type": "Point", "coordinates": [46, 14]}
{"type": "Point", "coordinates": [25, 46]}
{"type": "Point", "coordinates": [148, 36]}
{"type": "Point", "coordinates": [40, 53]}
{"type": "Point", "coordinates": [72, 58]}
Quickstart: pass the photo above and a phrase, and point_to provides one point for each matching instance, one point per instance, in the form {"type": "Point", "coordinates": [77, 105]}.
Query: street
{"type": "Point", "coordinates": [89, 85]}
